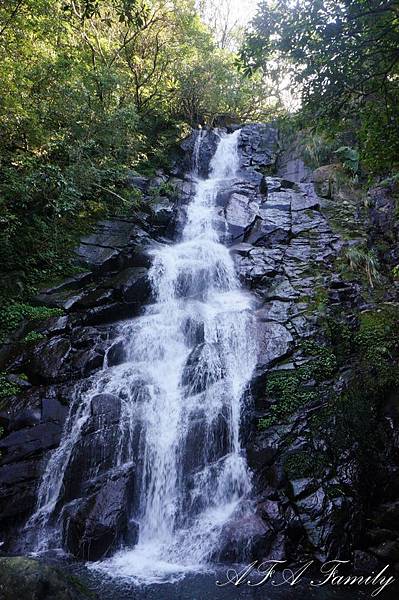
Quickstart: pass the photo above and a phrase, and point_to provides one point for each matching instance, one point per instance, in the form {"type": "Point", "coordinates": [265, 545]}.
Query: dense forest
{"type": "Point", "coordinates": [93, 91]}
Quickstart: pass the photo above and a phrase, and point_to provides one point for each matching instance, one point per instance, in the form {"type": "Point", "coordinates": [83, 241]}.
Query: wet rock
{"type": "Point", "coordinates": [274, 514]}
{"type": "Point", "coordinates": [239, 214]}
{"type": "Point", "coordinates": [69, 288]}
{"type": "Point", "coordinates": [388, 515]}
{"type": "Point", "coordinates": [26, 418]}
{"type": "Point", "coordinates": [302, 201]}
{"type": "Point", "coordinates": [110, 313]}
{"type": "Point", "coordinates": [274, 342]}
{"type": "Point", "coordinates": [209, 142]}
{"type": "Point", "coordinates": [194, 330]}
{"type": "Point", "coordinates": [107, 406]}
{"type": "Point", "coordinates": [293, 169]}
{"type": "Point", "coordinates": [116, 354]}
{"type": "Point", "coordinates": [388, 551]}
{"type": "Point", "coordinates": [53, 410]}
{"type": "Point", "coordinates": [139, 182]}
{"type": "Point", "coordinates": [18, 489]}
{"type": "Point", "coordinates": [276, 310]}
{"type": "Point", "coordinates": [303, 487]}
{"type": "Point", "coordinates": [257, 265]}
{"type": "Point", "coordinates": [96, 525]}
{"type": "Point", "coordinates": [364, 563]}
{"type": "Point", "coordinates": [29, 579]}
{"type": "Point", "coordinates": [136, 287]}
{"type": "Point", "coordinates": [98, 257]}
{"type": "Point", "coordinates": [281, 289]}
{"type": "Point", "coordinates": [54, 325]}
{"type": "Point", "coordinates": [116, 244]}
{"type": "Point", "coordinates": [246, 538]}
{"type": "Point", "coordinates": [258, 145]}
{"type": "Point", "coordinates": [161, 213]}
{"type": "Point", "coordinates": [27, 442]}
{"type": "Point", "coordinates": [49, 361]}
{"type": "Point", "coordinates": [96, 297]}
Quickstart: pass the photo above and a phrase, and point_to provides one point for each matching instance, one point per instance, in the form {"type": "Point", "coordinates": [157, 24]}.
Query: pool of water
{"type": "Point", "coordinates": [204, 587]}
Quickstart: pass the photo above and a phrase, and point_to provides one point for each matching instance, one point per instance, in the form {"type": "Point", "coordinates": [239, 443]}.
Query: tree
{"type": "Point", "coordinates": [343, 57]}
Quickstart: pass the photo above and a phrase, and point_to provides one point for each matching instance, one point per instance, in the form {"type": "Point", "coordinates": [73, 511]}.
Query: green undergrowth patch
{"type": "Point", "coordinates": [377, 345]}
{"type": "Point", "coordinates": [7, 390]}
{"type": "Point", "coordinates": [304, 464]}
{"type": "Point", "coordinates": [13, 313]}
{"type": "Point", "coordinates": [291, 389]}
{"type": "Point", "coordinates": [350, 422]}
{"type": "Point", "coordinates": [33, 336]}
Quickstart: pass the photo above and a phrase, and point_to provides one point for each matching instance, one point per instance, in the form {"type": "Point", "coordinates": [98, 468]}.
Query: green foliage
{"type": "Point", "coordinates": [289, 388]}
{"type": "Point", "coordinates": [304, 464]}
{"type": "Point", "coordinates": [316, 148]}
{"type": "Point", "coordinates": [12, 315]}
{"type": "Point", "coordinates": [342, 58]}
{"type": "Point", "coordinates": [377, 343]}
{"type": "Point", "coordinates": [7, 390]}
{"type": "Point", "coordinates": [324, 364]}
{"type": "Point", "coordinates": [341, 338]}
{"type": "Point", "coordinates": [349, 158]}
{"type": "Point", "coordinates": [165, 189]}
{"type": "Point", "coordinates": [33, 336]}
{"type": "Point", "coordinates": [361, 260]}
{"type": "Point", "coordinates": [289, 394]}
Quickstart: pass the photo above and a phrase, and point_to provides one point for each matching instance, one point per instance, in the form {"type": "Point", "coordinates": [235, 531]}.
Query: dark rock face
{"type": "Point", "coordinates": [210, 139]}
{"type": "Point", "coordinates": [247, 537]}
{"type": "Point", "coordinates": [28, 579]}
{"type": "Point", "coordinates": [95, 525]}
{"type": "Point", "coordinates": [258, 145]}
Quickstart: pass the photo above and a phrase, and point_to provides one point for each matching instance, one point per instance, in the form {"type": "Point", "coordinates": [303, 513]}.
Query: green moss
{"type": "Point", "coordinates": [12, 315]}
{"type": "Point", "coordinates": [7, 390]}
{"type": "Point", "coordinates": [340, 335]}
{"type": "Point", "coordinates": [324, 363]}
{"type": "Point", "coordinates": [163, 190]}
{"type": "Point", "coordinates": [33, 336]}
{"type": "Point", "coordinates": [304, 464]}
{"type": "Point", "coordinates": [318, 303]}
{"type": "Point", "coordinates": [376, 343]}
{"type": "Point", "coordinates": [289, 389]}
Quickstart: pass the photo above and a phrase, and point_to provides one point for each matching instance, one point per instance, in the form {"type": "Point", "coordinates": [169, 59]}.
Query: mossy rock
{"type": "Point", "coordinates": [28, 579]}
{"type": "Point", "coordinates": [325, 180]}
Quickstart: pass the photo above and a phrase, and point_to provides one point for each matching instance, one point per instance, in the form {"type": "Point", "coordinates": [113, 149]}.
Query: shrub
{"type": "Point", "coordinates": [12, 315]}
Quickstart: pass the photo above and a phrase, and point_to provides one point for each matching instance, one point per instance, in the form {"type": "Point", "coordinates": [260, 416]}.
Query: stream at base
{"type": "Point", "coordinates": [203, 587]}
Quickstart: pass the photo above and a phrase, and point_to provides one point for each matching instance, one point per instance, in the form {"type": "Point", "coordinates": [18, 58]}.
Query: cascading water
{"type": "Point", "coordinates": [189, 360]}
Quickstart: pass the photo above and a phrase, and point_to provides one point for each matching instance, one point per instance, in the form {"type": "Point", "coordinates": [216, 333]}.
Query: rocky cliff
{"type": "Point", "coordinates": [322, 435]}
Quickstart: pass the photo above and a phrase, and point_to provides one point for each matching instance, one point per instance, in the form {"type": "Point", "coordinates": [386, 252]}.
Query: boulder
{"type": "Point", "coordinates": [245, 538]}
{"type": "Point", "coordinates": [325, 180]}
{"type": "Point", "coordinates": [28, 579]}
{"type": "Point", "coordinates": [95, 525]}
{"type": "Point", "coordinates": [293, 169]}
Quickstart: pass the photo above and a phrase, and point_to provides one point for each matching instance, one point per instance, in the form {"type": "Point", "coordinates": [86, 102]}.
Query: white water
{"type": "Point", "coordinates": [193, 475]}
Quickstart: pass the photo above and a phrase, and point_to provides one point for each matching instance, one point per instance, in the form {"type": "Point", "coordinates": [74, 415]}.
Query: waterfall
{"type": "Point", "coordinates": [190, 357]}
